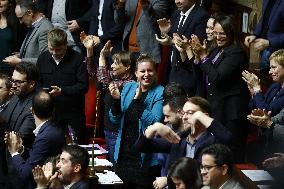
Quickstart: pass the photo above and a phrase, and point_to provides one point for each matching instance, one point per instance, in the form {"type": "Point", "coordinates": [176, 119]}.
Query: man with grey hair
{"type": "Point", "coordinates": [35, 41]}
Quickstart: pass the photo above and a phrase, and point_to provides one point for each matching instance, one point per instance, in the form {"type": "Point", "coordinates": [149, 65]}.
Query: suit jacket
{"type": "Point", "coordinates": [111, 30]}
{"type": "Point", "coordinates": [48, 142]}
{"type": "Point", "coordinates": [74, 10]}
{"type": "Point", "coordinates": [182, 72]}
{"type": "Point", "coordinates": [272, 100]}
{"type": "Point", "coordinates": [80, 185]}
{"type": "Point", "coordinates": [36, 41]}
{"type": "Point", "coordinates": [230, 184]}
{"type": "Point", "coordinates": [275, 33]}
{"type": "Point", "coordinates": [19, 119]}
{"type": "Point", "coordinates": [147, 25]}
{"type": "Point", "coordinates": [215, 133]}
{"type": "Point", "coordinates": [227, 92]}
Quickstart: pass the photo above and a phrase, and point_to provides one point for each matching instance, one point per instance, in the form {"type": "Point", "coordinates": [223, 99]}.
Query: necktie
{"type": "Point", "coordinates": [26, 42]}
{"type": "Point", "coordinates": [181, 22]}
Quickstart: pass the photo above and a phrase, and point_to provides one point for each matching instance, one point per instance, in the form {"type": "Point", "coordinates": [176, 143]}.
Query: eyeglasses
{"type": "Point", "coordinates": [207, 168]}
{"type": "Point", "coordinates": [17, 82]}
{"type": "Point", "coordinates": [21, 17]}
{"type": "Point", "coordinates": [188, 112]}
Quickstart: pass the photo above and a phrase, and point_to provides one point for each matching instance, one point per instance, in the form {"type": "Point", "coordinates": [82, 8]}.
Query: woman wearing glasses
{"type": "Point", "coordinates": [222, 78]}
{"type": "Point", "coordinates": [137, 106]}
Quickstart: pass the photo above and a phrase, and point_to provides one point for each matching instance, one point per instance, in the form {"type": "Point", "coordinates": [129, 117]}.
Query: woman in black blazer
{"type": "Point", "coordinates": [222, 77]}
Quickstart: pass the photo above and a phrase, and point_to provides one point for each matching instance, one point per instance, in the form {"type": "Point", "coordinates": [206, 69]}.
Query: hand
{"type": "Point", "coordinates": [166, 40]}
{"type": "Point", "coordinates": [39, 177]}
{"type": "Point", "coordinates": [163, 131]}
{"type": "Point", "coordinates": [160, 182]}
{"type": "Point", "coordinates": [198, 49]}
{"type": "Point", "coordinates": [252, 81]}
{"type": "Point", "coordinates": [96, 40]}
{"type": "Point", "coordinates": [249, 40]}
{"type": "Point", "coordinates": [138, 91]}
{"type": "Point", "coordinates": [274, 162]}
{"type": "Point", "coordinates": [47, 170]}
{"type": "Point", "coordinates": [164, 25]}
{"type": "Point", "coordinates": [114, 91]}
{"type": "Point", "coordinates": [73, 25]}
{"type": "Point", "coordinates": [260, 118]}
{"type": "Point", "coordinates": [260, 44]}
{"type": "Point", "coordinates": [12, 60]}
{"type": "Point", "coordinates": [56, 91]}
{"type": "Point", "coordinates": [82, 36]}
{"type": "Point", "coordinates": [106, 49]}
{"type": "Point", "coordinates": [13, 142]}
{"type": "Point", "coordinates": [87, 41]}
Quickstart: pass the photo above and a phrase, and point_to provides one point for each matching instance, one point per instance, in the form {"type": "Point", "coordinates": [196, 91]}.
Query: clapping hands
{"type": "Point", "coordinates": [261, 118]}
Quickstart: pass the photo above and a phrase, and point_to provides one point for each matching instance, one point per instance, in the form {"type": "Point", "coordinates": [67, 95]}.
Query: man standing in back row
{"type": "Point", "coordinates": [64, 74]}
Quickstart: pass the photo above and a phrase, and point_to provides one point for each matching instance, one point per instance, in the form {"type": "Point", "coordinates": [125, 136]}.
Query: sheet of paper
{"type": "Point", "coordinates": [101, 162]}
{"type": "Point", "coordinates": [109, 177]}
{"type": "Point", "coordinates": [258, 175]}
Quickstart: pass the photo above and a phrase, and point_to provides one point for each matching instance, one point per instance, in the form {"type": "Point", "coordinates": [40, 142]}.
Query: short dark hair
{"type": "Point", "coordinates": [228, 25]}
{"type": "Point", "coordinates": [29, 69]}
{"type": "Point", "coordinates": [172, 90]}
{"type": "Point", "coordinates": [187, 170]}
{"type": "Point", "coordinates": [43, 105]}
{"type": "Point", "coordinates": [201, 102]}
{"type": "Point", "coordinates": [6, 79]}
{"type": "Point", "coordinates": [175, 103]}
{"type": "Point", "coordinates": [79, 155]}
{"type": "Point", "coordinates": [222, 155]}
{"type": "Point", "coordinates": [27, 5]}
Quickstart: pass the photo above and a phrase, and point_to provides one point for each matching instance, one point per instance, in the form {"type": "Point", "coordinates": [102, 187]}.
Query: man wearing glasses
{"type": "Point", "coordinates": [199, 131]}
{"type": "Point", "coordinates": [217, 168]}
{"type": "Point", "coordinates": [17, 114]}
{"type": "Point", "coordinates": [35, 41]}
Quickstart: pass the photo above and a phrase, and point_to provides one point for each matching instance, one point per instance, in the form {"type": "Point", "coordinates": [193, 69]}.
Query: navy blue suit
{"type": "Point", "coordinates": [48, 142]}
{"type": "Point", "coordinates": [215, 133]}
{"type": "Point", "coordinates": [195, 23]}
{"type": "Point", "coordinates": [80, 185]}
{"type": "Point", "coordinates": [273, 100]}
{"type": "Point", "coordinates": [111, 30]}
{"type": "Point", "coordinates": [275, 33]}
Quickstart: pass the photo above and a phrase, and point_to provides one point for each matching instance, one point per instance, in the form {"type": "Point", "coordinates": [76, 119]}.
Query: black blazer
{"type": "Point", "coordinates": [227, 92]}
{"type": "Point", "coordinates": [182, 72]}
{"type": "Point", "coordinates": [75, 10]}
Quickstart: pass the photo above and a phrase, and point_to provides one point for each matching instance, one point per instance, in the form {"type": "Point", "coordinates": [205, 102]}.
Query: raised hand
{"type": "Point", "coordinates": [13, 142]}
{"type": "Point", "coordinates": [164, 25]}
{"type": "Point", "coordinates": [163, 131]}
{"type": "Point", "coordinates": [252, 81]}
{"type": "Point", "coordinates": [165, 40]}
{"type": "Point", "coordinates": [106, 49]}
{"type": "Point", "coordinates": [39, 177]}
{"type": "Point", "coordinates": [200, 50]}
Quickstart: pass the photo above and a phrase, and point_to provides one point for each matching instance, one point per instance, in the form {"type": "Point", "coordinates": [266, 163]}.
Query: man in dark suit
{"type": "Point", "coordinates": [73, 16]}
{"type": "Point", "coordinates": [268, 36]}
{"type": "Point", "coordinates": [48, 142]}
{"type": "Point", "coordinates": [190, 18]}
{"type": "Point", "coordinates": [17, 114]}
{"type": "Point", "coordinates": [72, 167]}
{"type": "Point", "coordinates": [35, 41]}
{"type": "Point", "coordinates": [199, 131]}
{"type": "Point", "coordinates": [64, 73]}
{"type": "Point", "coordinates": [103, 26]}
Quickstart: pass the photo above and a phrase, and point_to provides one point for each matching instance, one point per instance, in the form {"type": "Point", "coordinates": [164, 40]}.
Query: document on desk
{"type": "Point", "coordinates": [109, 177]}
{"type": "Point", "coordinates": [101, 162]}
{"type": "Point", "coordinates": [258, 175]}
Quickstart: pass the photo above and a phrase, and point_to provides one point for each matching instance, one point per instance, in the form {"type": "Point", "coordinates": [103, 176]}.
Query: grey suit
{"type": "Point", "coordinates": [146, 27]}
{"type": "Point", "coordinates": [229, 184]}
{"type": "Point", "coordinates": [36, 42]}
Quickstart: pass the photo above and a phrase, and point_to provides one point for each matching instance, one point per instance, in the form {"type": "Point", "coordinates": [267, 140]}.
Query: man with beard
{"type": "Point", "coordinates": [199, 131]}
